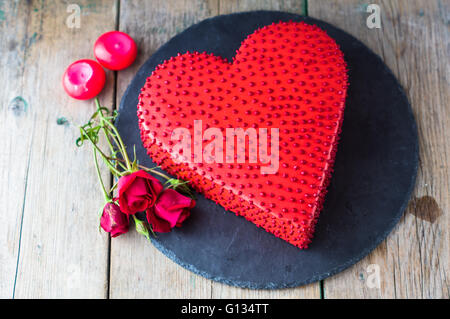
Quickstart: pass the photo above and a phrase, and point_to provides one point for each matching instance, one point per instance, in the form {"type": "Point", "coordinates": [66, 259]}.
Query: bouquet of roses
{"type": "Point", "coordinates": [137, 191]}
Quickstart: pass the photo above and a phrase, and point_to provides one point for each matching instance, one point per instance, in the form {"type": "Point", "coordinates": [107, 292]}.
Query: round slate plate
{"type": "Point", "coordinates": [374, 174]}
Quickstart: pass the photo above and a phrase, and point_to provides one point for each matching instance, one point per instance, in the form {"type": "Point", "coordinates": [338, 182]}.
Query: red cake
{"type": "Point", "coordinates": [287, 76]}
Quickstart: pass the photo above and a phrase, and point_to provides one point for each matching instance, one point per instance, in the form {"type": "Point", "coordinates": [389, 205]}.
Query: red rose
{"type": "Point", "coordinates": [137, 192]}
{"type": "Point", "coordinates": [170, 210]}
{"type": "Point", "coordinates": [113, 220]}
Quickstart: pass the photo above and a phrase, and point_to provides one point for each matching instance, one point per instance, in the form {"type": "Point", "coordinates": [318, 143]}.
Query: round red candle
{"type": "Point", "coordinates": [115, 50]}
{"type": "Point", "coordinates": [84, 79]}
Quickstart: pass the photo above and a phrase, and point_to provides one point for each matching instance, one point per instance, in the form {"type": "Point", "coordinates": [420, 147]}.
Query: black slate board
{"type": "Point", "coordinates": [374, 175]}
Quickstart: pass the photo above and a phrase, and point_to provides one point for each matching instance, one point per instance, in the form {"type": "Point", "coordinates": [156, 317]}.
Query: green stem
{"type": "Point", "coordinates": [116, 135]}
{"type": "Point", "coordinates": [123, 150]}
{"type": "Point", "coordinates": [146, 168]}
{"type": "Point", "coordinates": [113, 187]}
{"type": "Point", "coordinates": [104, 157]}
{"type": "Point", "coordinates": [105, 193]}
{"type": "Point", "coordinates": [104, 129]}
{"type": "Point", "coordinates": [111, 146]}
{"type": "Point", "coordinates": [154, 172]}
{"type": "Point", "coordinates": [97, 104]}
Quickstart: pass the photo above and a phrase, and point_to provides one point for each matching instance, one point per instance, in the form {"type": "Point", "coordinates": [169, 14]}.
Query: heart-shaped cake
{"type": "Point", "coordinates": [258, 135]}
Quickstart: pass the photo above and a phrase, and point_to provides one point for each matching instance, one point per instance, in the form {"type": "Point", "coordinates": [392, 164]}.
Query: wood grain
{"type": "Point", "coordinates": [14, 116]}
{"type": "Point", "coordinates": [232, 6]}
{"type": "Point", "coordinates": [49, 243]}
{"type": "Point", "coordinates": [51, 193]}
{"type": "Point", "coordinates": [414, 43]}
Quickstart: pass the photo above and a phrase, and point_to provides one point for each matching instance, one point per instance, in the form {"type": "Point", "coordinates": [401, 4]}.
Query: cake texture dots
{"type": "Point", "coordinates": [288, 76]}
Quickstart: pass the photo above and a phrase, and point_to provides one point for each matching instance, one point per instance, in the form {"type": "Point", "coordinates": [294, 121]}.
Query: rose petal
{"type": "Point", "coordinates": [113, 221]}
{"type": "Point", "coordinates": [139, 187]}
{"type": "Point", "coordinates": [137, 192]}
{"type": "Point", "coordinates": [158, 225]}
{"type": "Point", "coordinates": [186, 213]}
{"type": "Point", "coordinates": [170, 206]}
{"type": "Point", "coordinates": [137, 203]}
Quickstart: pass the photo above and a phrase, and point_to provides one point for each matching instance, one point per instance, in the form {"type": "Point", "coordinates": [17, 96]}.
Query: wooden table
{"type": "Point", "coordinates": [49, 242]}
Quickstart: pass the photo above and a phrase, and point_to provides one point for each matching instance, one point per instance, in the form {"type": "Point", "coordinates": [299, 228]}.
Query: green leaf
{"type": "Point", "coordinates": [142, 227]}
{"type": "Point", "coordinates": [181, 186]}
{"type": "Point", "coordinates": [99, 214]}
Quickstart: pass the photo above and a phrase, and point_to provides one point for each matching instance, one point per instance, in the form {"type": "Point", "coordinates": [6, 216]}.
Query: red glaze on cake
{"type": "Point", "coordinates": [288, 75]}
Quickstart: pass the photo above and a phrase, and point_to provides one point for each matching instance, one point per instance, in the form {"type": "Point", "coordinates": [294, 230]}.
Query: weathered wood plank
{"type": "Point", "coordinates": [413, 41]}
{"type": "Point", "coordinates": [54, 189]}
{"type": "Point", "coordinates": [61, 254]}
{"type": "Point", "coordinates": [231, 6]}
{"type": "Point", "coordinates": [13, 115]}
{"type": "Point", "coordinates": [221, 290]}
{"type": "Point", "coordinates": [138, 270]}
{"type": "Point", "coordinates": [311, 291]}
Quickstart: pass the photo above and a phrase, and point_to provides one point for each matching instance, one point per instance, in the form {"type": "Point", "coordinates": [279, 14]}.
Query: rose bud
{"type": "Point", "coordinates": [170, 210]}
{"type": "Point", "coordinates": [137, 192]}
{"type": "Point", "coordinates": [113, 221]}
